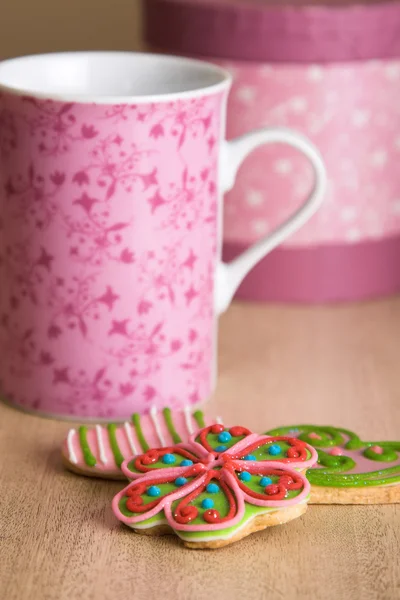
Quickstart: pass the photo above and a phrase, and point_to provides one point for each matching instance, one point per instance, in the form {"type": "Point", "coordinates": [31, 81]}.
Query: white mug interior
{"type": "Point", "coordinates": [109, 77]}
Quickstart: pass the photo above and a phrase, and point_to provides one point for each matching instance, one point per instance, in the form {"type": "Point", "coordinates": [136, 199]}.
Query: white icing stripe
{"type": "Point", "coordinates": [71, 451]}
{"type": "Point", "coordinates": [129, 436]}
{"type": "Point", "coordinates": [188, 419]}
{"type": "Point", "coordinates": [154, 418]}
{"type": "Point", "coordinates": [100, 444]}
{"type": "Point", "coordinates": [219, 420]}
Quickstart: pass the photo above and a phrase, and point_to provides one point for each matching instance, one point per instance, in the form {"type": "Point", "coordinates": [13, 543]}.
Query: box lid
{"type": "Point", "coordinates": [275, 30]}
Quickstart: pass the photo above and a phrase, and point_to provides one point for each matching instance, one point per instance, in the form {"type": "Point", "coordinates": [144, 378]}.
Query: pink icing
{"type": "Point", "coordinates": [336, 452]}
{"type": "Point", "coordinates": [362, 463]}
{"type": "Point", "coordinates": [314, 436]}
{"type": "Point", "coordinates": [377, 449]}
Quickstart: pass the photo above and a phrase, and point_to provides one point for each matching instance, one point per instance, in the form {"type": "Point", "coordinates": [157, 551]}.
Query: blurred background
{"type": "Point", "coordinates": [321, 70]}
{"type": "Point", "coordinates": [49, 26]}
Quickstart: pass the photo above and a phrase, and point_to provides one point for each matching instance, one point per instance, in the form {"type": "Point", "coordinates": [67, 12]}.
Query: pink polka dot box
{"type": "Point", "coordinates": [328, 71]}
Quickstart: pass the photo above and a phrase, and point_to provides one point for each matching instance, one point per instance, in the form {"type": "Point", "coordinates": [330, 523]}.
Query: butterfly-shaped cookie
{"type": "Point", "coordinates": [221, 485]}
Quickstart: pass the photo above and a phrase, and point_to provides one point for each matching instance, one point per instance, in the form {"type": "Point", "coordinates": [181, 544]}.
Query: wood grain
{"type": "Point", "coordinates": [278, 365]}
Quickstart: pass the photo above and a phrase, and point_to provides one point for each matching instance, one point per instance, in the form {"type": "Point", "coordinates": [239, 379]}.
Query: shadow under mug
{"type": "Point", "coordinates": [113, 168]}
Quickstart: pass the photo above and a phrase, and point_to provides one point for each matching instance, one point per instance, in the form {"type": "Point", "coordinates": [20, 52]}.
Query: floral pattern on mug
{"type": "Point", "coordinates": [108, 249]}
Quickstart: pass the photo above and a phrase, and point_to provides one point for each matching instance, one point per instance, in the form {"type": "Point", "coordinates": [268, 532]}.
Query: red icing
{"type": "Point", "coordinates": [238, 431]}
{"type": "Point", "coordinates": [203, 437]}
{"type": "Point", "coordinates": [152, 456]}
{"type": "Point", "coordinates": [199, 468]}
{"type": "Point", "coordinates": [289, 482]}
{"type": "Point", "coordinates": [211, 516]}
{"type": "Point", "coordinates": [135, 501]}
{"type": "Point", "coordinates": [273, 490]}
{"type": "Point", "coordinates": [279, 490]}
{"type": "Point", "coordinates": [234, 431]}
{"type": "Point", "coordinates": [292, 453]}
{"type": "Point", "coordinates": [232, 503]}
{"type": "Point", "coordinates": [297, 450]}
{"type": "Point", "coordinates": [185, 514]}
{"type": "Point", "coordinates": [217, 428]}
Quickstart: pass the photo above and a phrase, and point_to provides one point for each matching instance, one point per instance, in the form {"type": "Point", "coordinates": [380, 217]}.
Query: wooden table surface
{"type": "Point", "coordinates": [278, 365]}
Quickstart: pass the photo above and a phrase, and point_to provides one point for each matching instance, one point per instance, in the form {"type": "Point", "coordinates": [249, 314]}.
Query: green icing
{"type": "Point", "coordinates": [250, 511]}
{"type": "Point", "coordinates": [159, 464]}
{"type": "Point", "coordinates": [220, 503]}
{"type": "Point", "coordinates": [324, 477]}
{"type": "Point", "coordinates": [337, 464]}
{"type": "Point", "coordinates": [335, 471]}
{"type": "Point", "coordinates": [139, 432]}
{"type": "Point", "coordinates": [119, 459]}
{"type": "Point", "coordinates": [89, 457]}
{"type": "Point", "coordinates": [388, 455]}
{"type": "Point", "coordinates": [261, 453]}
{"type": "Point", "coordinates": [165, 488]}
{"type": "Point", "coordinates": [170, 425]}
{"type": "Point", "coordinates": [254, 484]}
{"type": "Point", "coordinates": [199, 418]}
{"type": "Point", "coordinates": [131, 466]}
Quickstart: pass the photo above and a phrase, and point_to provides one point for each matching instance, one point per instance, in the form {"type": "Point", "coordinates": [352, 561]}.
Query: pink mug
{"type": "Point", "coordinates": [112, 171]}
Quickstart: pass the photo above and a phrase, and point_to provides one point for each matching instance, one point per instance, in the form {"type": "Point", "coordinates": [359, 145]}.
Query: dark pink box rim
{"type": "Point", "coordinates": [269, 33]}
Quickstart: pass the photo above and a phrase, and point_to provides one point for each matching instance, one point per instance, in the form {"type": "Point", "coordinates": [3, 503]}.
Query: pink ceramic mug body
{"type": "Point", "coordinates": [110, 183]}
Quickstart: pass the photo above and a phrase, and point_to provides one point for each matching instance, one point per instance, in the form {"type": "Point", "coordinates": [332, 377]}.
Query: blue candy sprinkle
{"type": "Point", "coordinates": [244, 476]}
{"type": "Point", "coordinates": [168, 459]}
{"type": "Point", "coordinates": [186, 463]}
{"type": "Point", "coordinates": [264, 481]}
{"type": "Point", "coordinates": [212, 488]}
{"type": "Point", "coordinates": [224, 436]}
{"type": "Point", "coordinates": [207, 503]}
{"type": "Point", "coordinates": [250, 457]}
{"type": "Point", "coordinates": [274, 450]}
{"type": "Point", "coordinates": [153, 490]}
{"type": "Point", "coordinates": [180, 481]}
{"type": "Point", "coordinates": [220, 449]}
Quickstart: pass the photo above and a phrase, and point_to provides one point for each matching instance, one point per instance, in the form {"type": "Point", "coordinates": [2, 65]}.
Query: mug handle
{"type": "Point", "coordinates": [230, 275]}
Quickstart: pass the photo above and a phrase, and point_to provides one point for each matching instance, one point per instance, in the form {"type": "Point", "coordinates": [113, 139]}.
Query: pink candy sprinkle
{"type": "Point", "coordinates": [336, 452]}
{"type": "Point", "coordinates": [314, 436]}
{"type": "Point", "coordinates": [377, 449]}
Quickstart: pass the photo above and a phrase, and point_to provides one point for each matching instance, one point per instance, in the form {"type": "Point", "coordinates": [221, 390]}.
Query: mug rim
{"type": "Point", "coordinates": [225, 79]}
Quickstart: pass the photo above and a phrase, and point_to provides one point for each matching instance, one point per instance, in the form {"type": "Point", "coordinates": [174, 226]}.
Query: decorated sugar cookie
{"type": "Point", "coordinates": [349, 471]}
{"type": "Point", "coordinates": [99, 451]}
{"type": "Point", "coordinates": [217, 488]}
